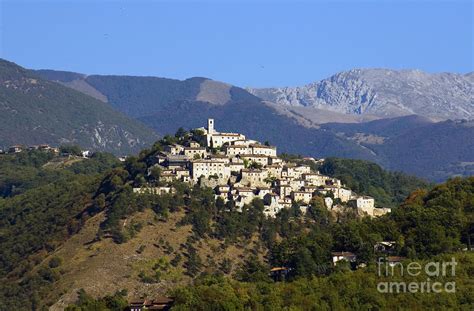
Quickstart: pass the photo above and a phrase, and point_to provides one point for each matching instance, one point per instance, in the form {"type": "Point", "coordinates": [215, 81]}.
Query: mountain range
{"type": "Point", "coordinates": [349, 115]}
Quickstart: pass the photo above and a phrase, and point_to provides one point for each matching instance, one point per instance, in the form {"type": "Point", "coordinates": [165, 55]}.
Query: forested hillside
{"type": "Point", "coordinates": [388, 188]}
{"type": "Point", "coordinates": [40, 208]}
{"type": "Point", "coordinates": [64, 220]}
{"type": "Point", "coordinates": [36, 111]}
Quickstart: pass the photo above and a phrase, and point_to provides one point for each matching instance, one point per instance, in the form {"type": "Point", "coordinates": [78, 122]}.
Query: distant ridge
{"type": "Point", "coordinates": [383, 131]}
{"type": "Point", "coordinates": [37, 111]}
{"type": "Point", "coordinates": [383, 93]}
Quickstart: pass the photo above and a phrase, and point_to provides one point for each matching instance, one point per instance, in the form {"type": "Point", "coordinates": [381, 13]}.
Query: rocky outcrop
{"type": "Point", "coordinates": [383, 93]}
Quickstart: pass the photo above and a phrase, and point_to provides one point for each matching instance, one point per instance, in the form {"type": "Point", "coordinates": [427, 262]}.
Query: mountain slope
{"type": "Point", "coordinates": [437, 151]}
{"type": "Point", "coordinates": [247, 115]}
{"type": "Point", "coordinates": [141, 96]}
{"type": "Point", "coordinates": [383, 93]}
{"type": "Point", "coordinates": [35, 111]}
{"type": "Point", "coordinates": [415, 145]}
{"type": "Point", "coordinates": [167, 104]}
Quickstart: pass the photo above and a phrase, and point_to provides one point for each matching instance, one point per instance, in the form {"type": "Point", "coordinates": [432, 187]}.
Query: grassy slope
{"type": "Point", "coordinates": [103, 267]}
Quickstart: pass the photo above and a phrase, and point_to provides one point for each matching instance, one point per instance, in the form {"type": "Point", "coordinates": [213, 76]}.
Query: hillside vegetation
{"type": "Point", "coordinates": [58, 235]}
{"type": "Point", "coordinates": [388, 188]}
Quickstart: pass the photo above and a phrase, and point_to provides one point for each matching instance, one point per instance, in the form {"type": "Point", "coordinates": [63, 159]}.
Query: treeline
{"type": "Point", "coordinates": [342, 290]}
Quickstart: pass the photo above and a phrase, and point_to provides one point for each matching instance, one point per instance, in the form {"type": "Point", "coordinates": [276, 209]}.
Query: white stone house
{"type": "Point", "coordinates": [174, 149]}
{"type": "Point", "coordinates": [234, 150]}
{"type": "Point", "coordinates": [343, 194]}
{"type": "Point", "coordinates": [284, 190]}
{"type": "Point", "coordinates": [297, 184]}
{"type": "Point", "coordinates": [208, 168]}
{"type": "Point", "coordinates": [365, 205]}
{"type": "Point", "coordinates": [194, 144]}
{"type": "Point", "coordinates": [216, 139]}
{"type": "Point", "coordinates": [182, 174]}
{"type": "Point", "coordinates": [236, 166]}
{"type": "Point", "coordinates": [380, 211]}
{"type": "Point", "coordinates": [301, 196]}
{"type": "Point", "coordinates": [254, 177]}
{"type": "Point", "coordinates": [303, 169]}
{"type": "Point", "coordinates": [275, 161]}
{"type": "Point", "coordinates": [257, 158]}
{"type": "Point", "coordinates": [269, 151]}
{"type": "Point", "coordinates": [274, 170]}
{"type": "Point", "coordinates": [315, 179]}
{"type": "Point", "coordinates": [191, 152]}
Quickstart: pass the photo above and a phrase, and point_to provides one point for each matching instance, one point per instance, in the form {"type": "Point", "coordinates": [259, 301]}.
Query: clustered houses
{"type": "Point", "coordinates": [43, 148]}
{"type": "Point", "coordinates": [20, 148]}
{"type": "Point", "coordinates": [241, 169]}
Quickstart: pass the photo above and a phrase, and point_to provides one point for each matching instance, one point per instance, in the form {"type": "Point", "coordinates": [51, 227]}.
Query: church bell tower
{"type": "Point", "coordinates": [210, 126]}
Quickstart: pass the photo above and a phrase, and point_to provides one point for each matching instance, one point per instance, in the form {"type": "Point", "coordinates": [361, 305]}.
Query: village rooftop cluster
{"type": "Point", "coordinates": [46, 148]}
{"type": "Point", "coordinates": [242, 169]}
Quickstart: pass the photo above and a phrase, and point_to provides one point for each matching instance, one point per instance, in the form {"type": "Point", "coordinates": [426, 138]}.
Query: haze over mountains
{"type": "Point", "coordinates": [351, 122]}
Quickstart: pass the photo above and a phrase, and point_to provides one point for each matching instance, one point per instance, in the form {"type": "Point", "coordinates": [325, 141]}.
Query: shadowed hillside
{"type": "Point", "coordinates": [37, 111]}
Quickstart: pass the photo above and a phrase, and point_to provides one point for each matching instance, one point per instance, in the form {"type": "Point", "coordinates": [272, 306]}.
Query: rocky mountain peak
{"type": "Point", "coordinates": [383, 93]}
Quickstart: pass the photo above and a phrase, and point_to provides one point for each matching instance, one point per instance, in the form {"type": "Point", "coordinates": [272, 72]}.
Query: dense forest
{"type": "Point", "coordinates": [45, 200]}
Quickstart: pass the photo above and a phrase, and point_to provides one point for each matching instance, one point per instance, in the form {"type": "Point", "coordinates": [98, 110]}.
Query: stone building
{"type": "Point", "coordinates": [216, 139]}
{"type": "Point", "coordinates": [209, 168]}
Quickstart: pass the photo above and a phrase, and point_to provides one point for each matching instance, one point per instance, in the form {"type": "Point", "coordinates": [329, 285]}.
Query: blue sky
{"type": "Point", "coordinates": [246, 43]}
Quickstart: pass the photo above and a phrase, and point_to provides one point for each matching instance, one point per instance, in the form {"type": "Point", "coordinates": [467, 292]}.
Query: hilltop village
{"type": "Point", "coordinates": [242, 169]}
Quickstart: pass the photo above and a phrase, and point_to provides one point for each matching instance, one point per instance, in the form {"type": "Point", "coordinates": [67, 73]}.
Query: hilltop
{"type": "Point", "coordinates": [88, 229]}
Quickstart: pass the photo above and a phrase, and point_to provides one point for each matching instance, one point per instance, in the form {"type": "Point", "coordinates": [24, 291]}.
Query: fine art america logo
{"type": "Point", "coordinates": [432, 274]}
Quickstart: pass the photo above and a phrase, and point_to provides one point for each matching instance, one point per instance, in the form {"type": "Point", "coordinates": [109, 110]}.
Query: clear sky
{"type": "Point", "coordinates": [246, 43]}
